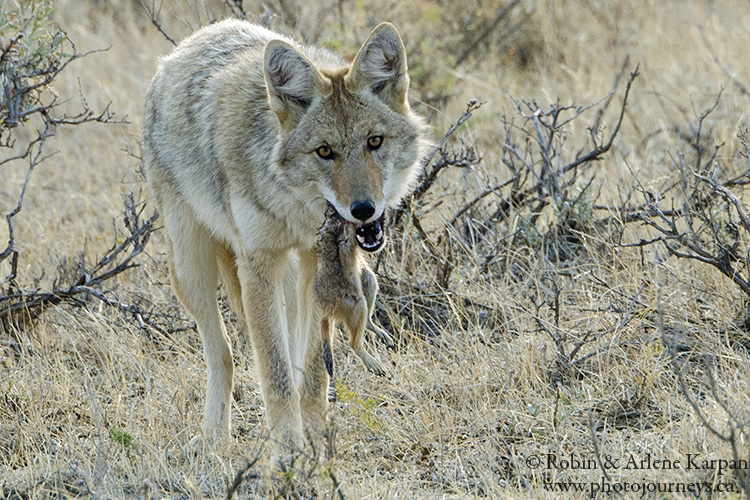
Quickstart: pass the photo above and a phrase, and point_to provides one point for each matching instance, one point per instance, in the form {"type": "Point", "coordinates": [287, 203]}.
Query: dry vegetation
{"type": "Point", "coordinates": [543, 301]}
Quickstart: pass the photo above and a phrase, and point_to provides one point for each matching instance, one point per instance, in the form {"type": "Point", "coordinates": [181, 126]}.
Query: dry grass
{"type": "Point", "coordinates": [91, 404]}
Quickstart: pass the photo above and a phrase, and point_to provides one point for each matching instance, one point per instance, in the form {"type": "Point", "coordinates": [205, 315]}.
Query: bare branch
{"type": "Point", "coordinates": [476, 200]}
{"type": "Point", "coordinates": [445, 160]}
{"type": "Point", "coordinates": [598, 152]}
{"type": "Point", "coordinates": [18, 307]}
{"type": "Point", "coordinates": [471, 106]}
{"type": "Point", "coordinates": [34, 161]}
{"type": "Point", "coordinates": [153, 15]}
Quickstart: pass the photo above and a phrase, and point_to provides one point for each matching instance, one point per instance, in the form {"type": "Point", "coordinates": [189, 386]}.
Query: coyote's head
{"type": "Point", "coordinates": [348, 133]}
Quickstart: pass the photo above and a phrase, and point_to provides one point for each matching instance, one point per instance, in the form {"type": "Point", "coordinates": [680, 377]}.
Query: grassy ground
{"type": "Point", "coordinates": [486, 377]}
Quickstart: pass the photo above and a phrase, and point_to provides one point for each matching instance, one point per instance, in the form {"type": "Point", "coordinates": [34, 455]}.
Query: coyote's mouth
{"type": "Point", "coordinates": [370, 237]}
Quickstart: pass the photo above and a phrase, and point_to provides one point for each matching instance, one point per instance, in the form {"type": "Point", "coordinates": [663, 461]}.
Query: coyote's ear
{"type": "Point", "coordinates": [291, 80]}
{"type": "Point", "coordinates": [380, 67]}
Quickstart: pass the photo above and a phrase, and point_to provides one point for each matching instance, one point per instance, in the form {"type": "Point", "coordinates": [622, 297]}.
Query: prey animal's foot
{"type": "Point", "coordinates": [372, 363]}
{"type": "Point", "coordinates": [384, 336]}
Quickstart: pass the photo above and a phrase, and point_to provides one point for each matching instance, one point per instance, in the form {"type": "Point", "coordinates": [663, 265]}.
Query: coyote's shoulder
{"type": "Point", "coordinates": [247, 137]}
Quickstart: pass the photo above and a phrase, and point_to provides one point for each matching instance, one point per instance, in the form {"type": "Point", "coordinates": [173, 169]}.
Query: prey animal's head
{"type": "Point", "coordinates": [347, 133]}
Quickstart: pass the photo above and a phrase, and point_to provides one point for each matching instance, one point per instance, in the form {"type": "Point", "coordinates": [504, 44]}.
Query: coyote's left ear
{"type": "Point", "coordinates": [380, 67]}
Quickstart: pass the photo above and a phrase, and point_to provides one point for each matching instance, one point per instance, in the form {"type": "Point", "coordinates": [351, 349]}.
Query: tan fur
{"type": "Point", "coordinates": [344, 289]}
{"type": "Point", "coordinates": [233, 120]}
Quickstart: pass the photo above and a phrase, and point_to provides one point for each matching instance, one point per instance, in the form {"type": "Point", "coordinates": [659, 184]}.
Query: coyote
{"type": "Point", "coordinates": [345, 290]}
{"type": "Point", "coordinates": [247, 136]}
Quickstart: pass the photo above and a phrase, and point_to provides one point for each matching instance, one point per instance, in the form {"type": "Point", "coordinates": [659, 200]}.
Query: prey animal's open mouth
{"type": "Point", "coordinates": [370, 236]}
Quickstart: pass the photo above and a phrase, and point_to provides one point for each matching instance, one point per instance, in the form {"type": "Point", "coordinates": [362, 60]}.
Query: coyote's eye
{"type": "Point", "coordinates": [325, 152]}
{"type": "Point", "coordinates": [374, 142]}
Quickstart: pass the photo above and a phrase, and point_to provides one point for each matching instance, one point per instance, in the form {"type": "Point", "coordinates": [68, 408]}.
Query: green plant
{"type": "Point", "coordinates": [121, 437]}
{"type": "Point", "coordinates": [363, 408]}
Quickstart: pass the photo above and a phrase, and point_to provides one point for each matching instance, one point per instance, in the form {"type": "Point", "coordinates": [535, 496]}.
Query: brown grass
{"type": "Point", "coordinates": [93, 405]}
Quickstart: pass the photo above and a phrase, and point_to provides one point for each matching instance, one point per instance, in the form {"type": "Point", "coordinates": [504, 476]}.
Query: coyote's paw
{"type": "Point", "coordinates": [206, 441]}
{"type": "Point", "coordinates": [197, 444]}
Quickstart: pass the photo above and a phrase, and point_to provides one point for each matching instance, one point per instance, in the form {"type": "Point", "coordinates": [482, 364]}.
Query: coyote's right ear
{"type": "Point", "coordinates": [291, 80]}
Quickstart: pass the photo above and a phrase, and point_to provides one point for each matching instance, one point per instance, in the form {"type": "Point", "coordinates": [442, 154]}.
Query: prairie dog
{"type": "Point", "coordinates": [345, 289]}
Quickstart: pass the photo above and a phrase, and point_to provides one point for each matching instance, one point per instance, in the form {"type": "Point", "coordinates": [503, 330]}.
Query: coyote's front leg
{"type": "Point", "coordinates": [261, 276]}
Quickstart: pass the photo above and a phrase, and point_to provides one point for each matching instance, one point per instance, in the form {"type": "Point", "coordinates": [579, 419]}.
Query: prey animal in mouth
{"type": "Point", "coordinates": [345, 287]}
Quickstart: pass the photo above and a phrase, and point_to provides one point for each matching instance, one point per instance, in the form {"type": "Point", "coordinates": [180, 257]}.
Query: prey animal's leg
{"type": "Point", "coordinates": [370, 291]}
{"type": "Point", "coordinates": [355, 322]}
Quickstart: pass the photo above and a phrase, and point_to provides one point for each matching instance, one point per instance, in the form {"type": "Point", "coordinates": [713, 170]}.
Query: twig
{"type": "Point", "coordinates": [598, 152]}
{"type": "Point", "coordinates": [244, 473]}
{"type": "Point", "coordinates": [728, 195]}
{"type": "Point", "coordinates": [477, 199]}
{"type": "Point", "coordinates": [486, 32]}
{"type": "Point", "coordinates": [153, 16]}
{"type": "Point", "coordinates": [429, 179]}
{"type": "Point", "coordinates": [623, 322]}
{"type": "Point", "coordinates": [43, 135]}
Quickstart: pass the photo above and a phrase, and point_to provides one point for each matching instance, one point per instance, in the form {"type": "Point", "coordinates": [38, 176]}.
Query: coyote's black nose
{"type": "Point", "coordinates": [363, 210]}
